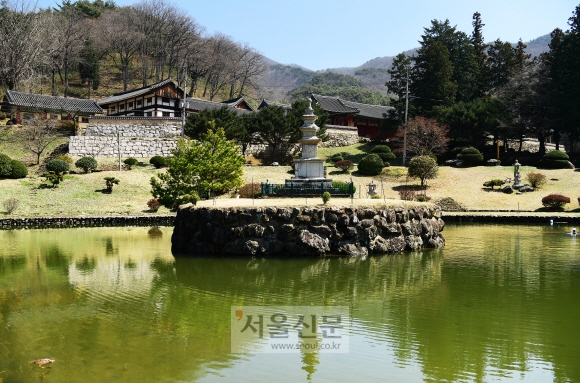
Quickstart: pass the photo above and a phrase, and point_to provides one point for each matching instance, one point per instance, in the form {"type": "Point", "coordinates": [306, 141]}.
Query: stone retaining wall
{"type": "Point", "coordinates": [305, 231]}
{"type": "Point", "coordinates": [340, 136]}
{"type": "Point", "coordinates": [138, 138]}
{"type": "Point", "coordinates": [130, 146]}
{"type": "Point", "coordinates": [134, 130]}
{"type": "Point", "coordinates": [153, 220]}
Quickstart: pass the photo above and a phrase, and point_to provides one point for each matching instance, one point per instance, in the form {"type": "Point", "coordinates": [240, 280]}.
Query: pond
{"type": "Point", "coordinates": [498, 303]}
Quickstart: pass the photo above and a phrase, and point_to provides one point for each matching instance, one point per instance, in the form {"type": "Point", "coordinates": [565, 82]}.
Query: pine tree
{"type": "Point", "coordinates": [480, 55]}
{"type": "Point", "coordinates": [432, 77]}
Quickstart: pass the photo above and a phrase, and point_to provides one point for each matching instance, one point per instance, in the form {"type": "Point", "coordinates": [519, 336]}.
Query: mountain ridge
{"type": "Point", "coordinates": [280, 78]}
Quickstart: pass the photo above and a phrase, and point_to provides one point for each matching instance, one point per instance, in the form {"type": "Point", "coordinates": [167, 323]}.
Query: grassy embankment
{"type": "Point", "coordinates": [80, 194]}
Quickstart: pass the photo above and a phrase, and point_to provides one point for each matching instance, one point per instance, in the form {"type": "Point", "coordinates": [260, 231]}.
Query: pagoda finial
{"type": "Point", "coordinates": [309, 110]}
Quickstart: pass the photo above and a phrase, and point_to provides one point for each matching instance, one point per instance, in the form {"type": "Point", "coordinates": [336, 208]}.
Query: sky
{"type": "Point", "coordinates": [322, 34]}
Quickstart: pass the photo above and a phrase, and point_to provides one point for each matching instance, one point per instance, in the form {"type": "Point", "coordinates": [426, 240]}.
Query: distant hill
{"type": "Point", "coordinates": [372, 75]}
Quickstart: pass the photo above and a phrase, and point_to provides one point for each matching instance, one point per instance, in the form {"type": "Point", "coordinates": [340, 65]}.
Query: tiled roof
{"type": "Point", "coordinates": [336, 105]}
{"type": "Point", "coordinates": [197, 105]}
{"type": "Point", "coordinates": [333, 104]}
{"type": "Point", "coordinates": [265, 103]}
{"type": "Point", "coordinates": [136, 92]}
{"type": "Point", "coordinates": [237, 101]}
{"type": "Point", "coordinates": [366, 110]}
{"type": "Point", "coordinates": [66, 104]}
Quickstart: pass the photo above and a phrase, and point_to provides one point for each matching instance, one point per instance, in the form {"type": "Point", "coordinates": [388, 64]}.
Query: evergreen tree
{"type": "Point", "coordinates": [480, 55]}
{"type": "Point", "coordinates": [461, 54]}
{"type": "Point", "coordinates": [432, 77]}
{"type": "Point", "coordinates": [501, 61]}
{"type": "Point", "coordinates": [199, 168]}
{"type": "Point", "coordinates": [521, 59]}
{"type": "Point", "coordinates": [565, 74]}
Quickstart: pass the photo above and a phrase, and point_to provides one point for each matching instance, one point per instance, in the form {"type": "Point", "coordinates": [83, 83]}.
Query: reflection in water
{"type": "Point", "coordinates": [498, 302]}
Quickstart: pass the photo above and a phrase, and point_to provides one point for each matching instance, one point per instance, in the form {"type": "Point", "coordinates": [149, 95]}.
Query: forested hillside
{"type": "Point", "coordinates": [94, 48]}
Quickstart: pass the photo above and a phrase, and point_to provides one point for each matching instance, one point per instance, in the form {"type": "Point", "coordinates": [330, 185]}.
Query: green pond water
{"type": "Point", "coordinates": [498, 303]}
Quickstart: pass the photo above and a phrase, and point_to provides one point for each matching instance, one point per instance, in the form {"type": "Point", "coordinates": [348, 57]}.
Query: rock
{"type": "Point", "coordinates": [274, 164]}
{"type": "Point", "coordinates": [571, 165]}
{"type": "Point", "coordinates": [526, 189]}
{"type": "Point", "coordinates": [313, 242]}
{"type": "Point", "coordinates": [284, 214]}
{"type": "Point", "coordinates": [493, 162]}
{"type": "Point", "coordinates": [322, 229]}
{"type": "Point", "coordinates": [286, 232]}
{"type": "Point", "coordinates": [303, 219]}
{"type": "Point", "coordinates": [254, 230]}
{"type": "Point", "coordinates": [507, 190]}
{"type": "Point", "coordinates": [413, 242]}
{"type": "Point", "coordinates": [352, 250]}
{"type": "Point", "coordinates": [350, 232]}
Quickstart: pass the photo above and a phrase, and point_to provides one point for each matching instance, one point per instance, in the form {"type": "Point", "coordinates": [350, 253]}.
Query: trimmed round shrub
{"type": "Point", "coordinates": [158, 161]}
{"type": "Point", "coordinates": [88, 164]}
{"type": "Point", "coordinates": [556, 159]}
{"type": "Point", "coordinates": [19, 170]}
{"type": "Point", "coordinates": [57, 166]}
{"type": "Point", "coordinates": [66, 158]}
{"type": "Point", "coordinates": [470, 156]}
{"type": "Point", "coordinates": [130, 162]}
{"type": "Point", "coordinates": [336, 157]}
{"type": "Point", "coordinates": [381, 149]}
{"type": "Point", "coordinates": [344, 165]}
{"type": "Point", "coordinates": [371, 165]}
{"type": "Point", "coordinates": [5, 165]}
{"type": "Point", "coordinates": [2, 116]}
{"type": "Point", "coordinates": [555, 201]}
{"type": "Point", "coordinates": [386, 157]}
{"type": "Point", "coordinates": [325, 197]}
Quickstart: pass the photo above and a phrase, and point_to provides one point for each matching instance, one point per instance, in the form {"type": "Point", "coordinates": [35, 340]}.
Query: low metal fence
{"type": "Point", "coordinates": [314, 189]}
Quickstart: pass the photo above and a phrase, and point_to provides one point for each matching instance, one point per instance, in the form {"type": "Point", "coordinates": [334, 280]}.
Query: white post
{"type": "Point", "coordinates": [119, 148]}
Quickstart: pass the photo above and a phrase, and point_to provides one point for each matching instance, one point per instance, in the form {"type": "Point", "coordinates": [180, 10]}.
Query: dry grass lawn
{"type": "Point", "coordinates": [79, 194]}
{"type": "Point", "coordinates": [463, 185]}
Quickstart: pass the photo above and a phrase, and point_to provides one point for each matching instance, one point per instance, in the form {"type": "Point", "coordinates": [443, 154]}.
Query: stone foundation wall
{"type": "Point", "coordinates": [130, 146]}
{"type": "Point", "coordinates": [134, 130]}
{"type": "Point", "coordinates": [340, 136]}
{"type": "Point", "coordinates": [346, 231]}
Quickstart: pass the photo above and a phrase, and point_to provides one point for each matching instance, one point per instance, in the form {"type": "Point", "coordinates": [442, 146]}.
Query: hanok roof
{"type": "Point", "coordinates": [336, 105]}
{"type": "Point", "coordinates": [366, 110]}
{"type": "Point", "coordinates": [239, 103]}
{"type": "Point", "coordinates": [333, 104]}
{"type": "Point", "coordinates": [197, 105]}
{"type": "Point", "coordinates": [65, 104]}
{"type": "Point", "coordinates": [265, 103]}
{"type": "Point", "coordinates": [137, 92]}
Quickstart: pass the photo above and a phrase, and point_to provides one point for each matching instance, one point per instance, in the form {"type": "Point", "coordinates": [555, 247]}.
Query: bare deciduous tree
{"type": "Point", "coordinates": [123, 39]}
{"type": "Point", "coordinates": [425, 136]}
{"type": "Point", "coordinates": [39, 134]}
{"type": "Point", "coordinates": [22, 41]}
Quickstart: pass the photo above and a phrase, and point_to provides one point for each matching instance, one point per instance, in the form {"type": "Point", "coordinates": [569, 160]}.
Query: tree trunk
{"type": "Point", "coordinates": [541, 139]}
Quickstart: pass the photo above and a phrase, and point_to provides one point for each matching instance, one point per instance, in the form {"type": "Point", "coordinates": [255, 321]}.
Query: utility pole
{"type": "Point", "coordinates": [183, 104]}
{"type": "Point", "coordinates": [406, 113]}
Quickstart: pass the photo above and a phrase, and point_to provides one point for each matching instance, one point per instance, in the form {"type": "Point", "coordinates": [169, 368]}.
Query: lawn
{"type": "Point", "coordinates": [463, 185]}
{"type": "Point", "coordinates": [80, 194]}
